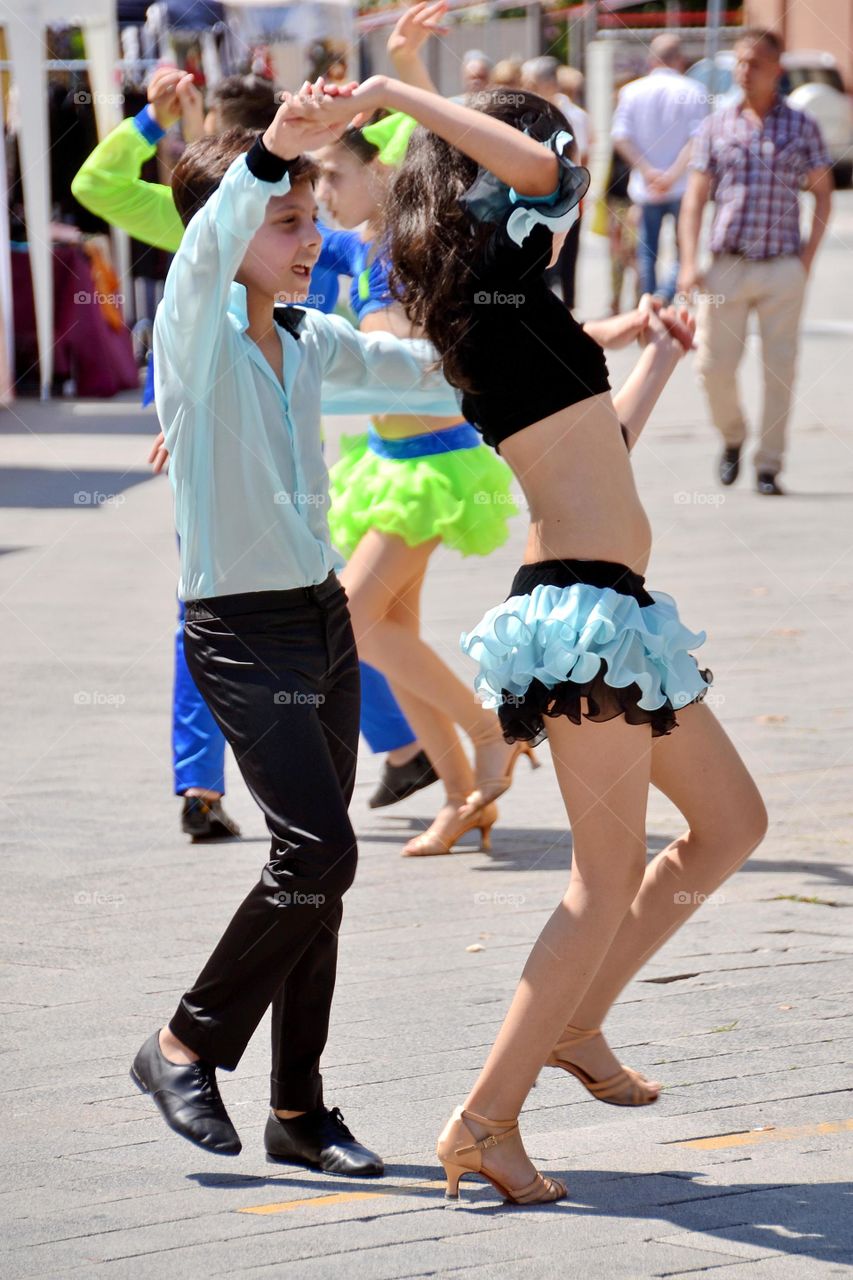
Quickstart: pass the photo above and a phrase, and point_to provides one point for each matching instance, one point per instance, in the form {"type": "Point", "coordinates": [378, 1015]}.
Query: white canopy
{"type": "Point", "coordinates": [25, 34]}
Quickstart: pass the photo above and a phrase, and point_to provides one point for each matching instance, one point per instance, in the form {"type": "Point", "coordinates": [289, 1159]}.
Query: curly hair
{"type": "Point", "coordinates": [434, 245]}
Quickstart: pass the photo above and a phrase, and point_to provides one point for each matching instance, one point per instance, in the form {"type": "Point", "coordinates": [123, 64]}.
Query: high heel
{"type": "Point", "coordinates": [627, 1088]}
{"type": "Point", "coordinates": [490, 789]}
{"type": "Point", "coordinates": [459, 1152]}
{"type": "Point", "coordinates": [433, 842]}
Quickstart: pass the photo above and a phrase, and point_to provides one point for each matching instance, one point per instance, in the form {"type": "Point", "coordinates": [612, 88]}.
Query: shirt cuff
{"type": "Point", "coordinates": [148, 126]}
{"type": "Point", "coordinates": [264, 164]}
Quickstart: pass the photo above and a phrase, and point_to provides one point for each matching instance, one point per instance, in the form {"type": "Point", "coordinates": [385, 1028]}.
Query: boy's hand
{"type": "Point", "coordinates": [672, 328]}
{"type": "Point", "coordinates": [414, 29]}
{"type": "Point", "coordinates": [311, 118]}
{"type": "Point", "coordinates": [159, 455]}
{"type": "Point", "coordinates": [162, 95]}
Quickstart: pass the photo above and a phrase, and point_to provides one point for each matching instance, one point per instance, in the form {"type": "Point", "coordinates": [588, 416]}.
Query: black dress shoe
{"type": "Point", "coordinates": [207, 820]}
{"type": "Point", "coordinates": [188, 1098]}
{"type": "Point", "coordinates": [767, 484]}
{"type": "Point", "coordinates": [401, 780]}
{"type": "Point", "coordinates": [730, 464]}
{"type": "Point", "coordinates": [320, 1139]}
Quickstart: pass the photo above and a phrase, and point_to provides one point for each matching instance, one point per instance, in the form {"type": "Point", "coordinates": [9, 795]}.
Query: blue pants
{"type": "Point", "coordinates": [198, 747]}
{"type": "Point", "coordinates": [651, 221]}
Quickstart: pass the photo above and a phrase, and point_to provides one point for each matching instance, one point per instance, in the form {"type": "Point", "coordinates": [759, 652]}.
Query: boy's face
{"type": "Point", "coordinates": [284, 249]}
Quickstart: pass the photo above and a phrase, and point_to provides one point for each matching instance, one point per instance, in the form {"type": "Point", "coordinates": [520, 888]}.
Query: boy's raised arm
{"type": "Point", "coordinates": [190, 320]}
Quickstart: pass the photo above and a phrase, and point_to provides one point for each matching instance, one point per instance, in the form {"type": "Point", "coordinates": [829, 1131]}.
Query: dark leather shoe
{"type": "Point", "coordinates": [320, 1139]}
{"type": "Point", "coordinates": [401, 780]}
{"type": "Point", "coordinates": [207, 820]}
{"type": "Point", "coordinates": [767, 484]}
{"type": "Point", "coordinates": [730, 464]}
{"type": "Point", "coordinates": [188, 1098]}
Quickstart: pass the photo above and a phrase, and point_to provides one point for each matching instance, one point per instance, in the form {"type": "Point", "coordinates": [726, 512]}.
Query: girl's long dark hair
{"type": "Point", "coordinates": [434, 245]}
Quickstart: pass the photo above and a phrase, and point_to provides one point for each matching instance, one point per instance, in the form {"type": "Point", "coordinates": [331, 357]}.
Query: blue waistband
{"type": "Point", "coordinates": [448, 440]}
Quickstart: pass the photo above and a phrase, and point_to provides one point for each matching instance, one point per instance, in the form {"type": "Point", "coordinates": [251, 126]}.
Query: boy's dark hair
{"type": "Point", "coordinates": [760, 35]}
{"type": "Point", "coordinates": [247, 101]}
{"type": "Point", "coordinates": [204, 163]}
{"type": "Point", "coordinates": [354, 141]}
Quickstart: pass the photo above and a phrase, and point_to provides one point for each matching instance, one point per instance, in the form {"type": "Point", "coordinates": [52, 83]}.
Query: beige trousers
{"type": "Point", "coordinates": [732, 288]}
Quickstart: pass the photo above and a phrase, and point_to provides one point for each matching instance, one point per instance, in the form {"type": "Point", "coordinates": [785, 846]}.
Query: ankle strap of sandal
{"type": "Point", "coordinates": [491, 1139]}
{"type": "Point", "coordinates": [578, 1033]}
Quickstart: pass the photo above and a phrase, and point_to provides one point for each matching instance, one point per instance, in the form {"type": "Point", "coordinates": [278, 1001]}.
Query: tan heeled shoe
{"type": "Point", "coordinates": [434, 841]}
{"type": "Point", "coordinates": [628, 1088]}
{"type": "Point", "coordinates": [460, 1152]}
{"type": "Point", "coordinates": [490, 789]}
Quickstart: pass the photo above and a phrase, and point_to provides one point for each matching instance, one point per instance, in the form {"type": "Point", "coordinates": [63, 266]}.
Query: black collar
{"type": "Point", "coordinates": [290, 318]}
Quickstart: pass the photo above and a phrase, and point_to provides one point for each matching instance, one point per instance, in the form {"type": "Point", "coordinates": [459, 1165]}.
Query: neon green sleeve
{"type": "Point", "coordinates": [108, 184]}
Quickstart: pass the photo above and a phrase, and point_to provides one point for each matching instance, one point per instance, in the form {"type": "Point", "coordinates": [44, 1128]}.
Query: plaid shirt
{"type": "Point", "coordinates": [756, 175]}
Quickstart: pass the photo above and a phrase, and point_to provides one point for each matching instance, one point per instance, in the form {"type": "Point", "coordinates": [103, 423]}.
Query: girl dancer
{"type": "Point", "coordinates": [581, 649]}
{"type": "Point", "coordinates": [412, 483]}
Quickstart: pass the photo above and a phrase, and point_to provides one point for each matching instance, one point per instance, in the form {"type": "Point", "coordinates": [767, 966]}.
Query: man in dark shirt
{"type": "Point", "coordinates": [753, 159]}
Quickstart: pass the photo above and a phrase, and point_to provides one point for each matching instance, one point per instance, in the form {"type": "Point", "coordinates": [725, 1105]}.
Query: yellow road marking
{"type": "Point", "coordinates": [342, 1197]}
{"type": "Point", "coordinates": [750, 1138]}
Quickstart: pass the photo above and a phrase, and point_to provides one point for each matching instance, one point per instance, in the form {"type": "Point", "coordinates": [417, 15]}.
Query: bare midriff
{"type": "Point", "coordinates": [577, 478]}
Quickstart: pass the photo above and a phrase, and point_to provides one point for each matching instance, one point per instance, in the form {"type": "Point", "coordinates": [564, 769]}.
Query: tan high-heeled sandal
{"type": "Point", "coordinates": [460, 1152]}
{"type": "Point", "coordinates": [490, 789]}
{"type": "Point", "coordinates": [628, 1088]}
{"type": "Point", "coordinates": [432, 842]}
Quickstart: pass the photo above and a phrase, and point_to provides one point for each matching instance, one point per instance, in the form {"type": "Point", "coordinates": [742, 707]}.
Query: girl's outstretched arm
{"type": "Point", "coordinates": [670, 335]}
{"type": "Point", "coordinates": [513, 157]}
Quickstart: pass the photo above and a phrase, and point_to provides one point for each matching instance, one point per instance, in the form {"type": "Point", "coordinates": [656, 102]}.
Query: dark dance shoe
{"type": "Point", "coordinates": [401, 780]}
{"type": "Point", "coordinates": [730, 464]}
{"type": "Point", "coordinates": [321, 1140]}
{"type": "Point", "coordinates": [188, 1098]}
{"type": "Point", "coordinates": [207, 820]}
{"type": "Point", "coordinates": [767, 484]}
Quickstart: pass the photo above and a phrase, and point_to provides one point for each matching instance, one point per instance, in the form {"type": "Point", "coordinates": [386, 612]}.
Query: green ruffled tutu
{"type": "Point", "coordinates": [461, 496]}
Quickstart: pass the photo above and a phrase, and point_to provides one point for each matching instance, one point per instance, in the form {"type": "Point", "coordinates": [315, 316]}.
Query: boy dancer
{"type": "Point", "coordinates": [267, 636]}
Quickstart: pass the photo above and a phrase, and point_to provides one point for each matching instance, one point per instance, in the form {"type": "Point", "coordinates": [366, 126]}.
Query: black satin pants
{"type": "Point", "coordinates": [279, 671]}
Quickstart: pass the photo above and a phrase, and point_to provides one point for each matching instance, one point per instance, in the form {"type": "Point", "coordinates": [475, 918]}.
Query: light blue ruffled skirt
{"type": "Point", "coordinates": [621, 647]}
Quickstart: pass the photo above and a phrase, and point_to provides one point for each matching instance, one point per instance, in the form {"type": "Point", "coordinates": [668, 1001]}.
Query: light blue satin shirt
{"type": "Point", "coordinates": [247, 469]}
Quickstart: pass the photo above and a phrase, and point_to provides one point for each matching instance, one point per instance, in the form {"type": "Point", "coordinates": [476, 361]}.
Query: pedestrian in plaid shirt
{"type": "Point", "coordinates": [753, 159]}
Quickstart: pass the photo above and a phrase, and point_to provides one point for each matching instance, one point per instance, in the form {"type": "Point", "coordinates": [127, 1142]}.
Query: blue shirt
{"type": "Point", "coordinates": [250, 484]}
{"type": "Point", "coordinates": [346, 254]}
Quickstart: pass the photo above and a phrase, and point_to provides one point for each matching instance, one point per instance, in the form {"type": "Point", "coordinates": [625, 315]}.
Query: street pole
{"type": "Point", "coordinates": [712, 44]}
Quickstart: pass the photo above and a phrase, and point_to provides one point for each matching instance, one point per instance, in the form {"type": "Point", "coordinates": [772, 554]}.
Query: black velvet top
{"type": "Point", "coordinates": [528, 357]}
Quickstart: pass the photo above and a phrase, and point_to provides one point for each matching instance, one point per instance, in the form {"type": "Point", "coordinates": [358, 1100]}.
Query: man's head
{"type": "Point", "coordinates": [667, 51]}
{"type": "Point", "coordinates": [285, 248]}
{"type": "Point", "coordinates": [476, 71]}
{"type": "Point", "coordinates": [758, 63]}
{"type": "Point", "coordinates": [539, 75]}
{"type": "Point", "coordinates": [245, 101]}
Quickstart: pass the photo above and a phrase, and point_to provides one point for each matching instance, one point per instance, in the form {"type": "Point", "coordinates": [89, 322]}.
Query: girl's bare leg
{"type": "Point", "coordinates": [698, 768]}
{"type": "Point", "coordinates": [379, 571]}
{"type": "Point", "coordinates": [436, 732]}
{"type": "Point", "coordinates": [603, 771]}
